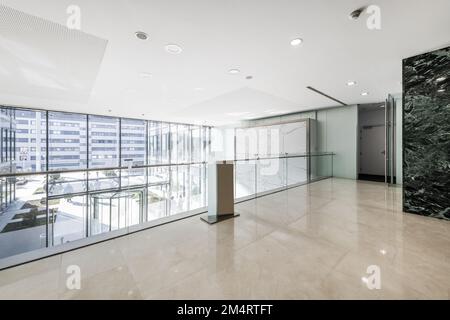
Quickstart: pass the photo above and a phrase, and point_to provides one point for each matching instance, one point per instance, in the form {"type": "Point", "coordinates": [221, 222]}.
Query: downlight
{"type": "Point", "coordinates": [296, 42]}
{"type": "Point", "coordinates": [141, 35]}
{"type": "Point", "coordinates": [173, 48]}
{"type": "Point", "coordinates": [234, 71]}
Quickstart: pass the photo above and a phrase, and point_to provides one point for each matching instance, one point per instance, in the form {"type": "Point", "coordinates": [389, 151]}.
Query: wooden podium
{"type": "Point", "coordinates": [220, 192]}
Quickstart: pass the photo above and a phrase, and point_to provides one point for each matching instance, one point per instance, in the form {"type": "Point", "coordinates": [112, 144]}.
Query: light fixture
{"type": "Point", "coordinates": [441, 90]}
{"type": "Point", "coordinates": [141, 35]}
{"type": "Point", "coordinates": [249, 77]}
{"type": "Point", "coordinates": [296, 42]}
{"type": "Point", "coordinates": [440, 79]}
{"type": "Point", "coordinates": [234, 71]}
{"type": "Point", "coordinates": [146, 75]}
{"type": "Point", "coordinates": [351, 83]}
{"type": "Point", "coordinates": [354, 15]}
{"type": "Point", "coordinates": [173, 48]}
{"type": "Point", "coordinates": [383, 252]}
{"type": "Point", "coordinates": [364, 93]}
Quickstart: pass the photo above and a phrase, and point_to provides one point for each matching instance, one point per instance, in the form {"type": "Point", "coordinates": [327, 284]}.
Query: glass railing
{"type": "Point", "coordinates": [264, 175]}
{"type": "Point", "coordinates": [50, 209]}
{"type": "Point", "coordinates": [54, 210]}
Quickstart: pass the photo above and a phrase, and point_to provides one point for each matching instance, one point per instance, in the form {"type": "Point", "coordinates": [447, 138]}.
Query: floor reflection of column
{"type": "Point", "coordinates": [224, 244]}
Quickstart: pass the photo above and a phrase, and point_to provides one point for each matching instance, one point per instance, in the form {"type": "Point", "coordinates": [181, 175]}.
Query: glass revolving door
{"type": "Point", "coordinates": [115, 210]}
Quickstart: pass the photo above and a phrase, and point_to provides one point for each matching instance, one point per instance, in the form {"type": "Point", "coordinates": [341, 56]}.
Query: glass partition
{"type": "Point", "coordinates": [297, 170]}
{"type": "Point", "coordinates": [321, 167]}
{"type": "Point", "coordinates": [271, 175]}
{"type": "Point", "coordinates": [103, 141]}
{"type": "Point", "coordinates": [67, 141]}
{"type": "Point", "coordinates": [245, 178]}
{"type": "Point", "coordinates": [133, 142]}
{"type": "Point", "coordinates": [23, 218]}
{"type": "Point", "coordinates": [258, 177]}
{"type": "Point", "coordinates": [101, 174]}
{"type": "Point", "coordinates": [67, 220]}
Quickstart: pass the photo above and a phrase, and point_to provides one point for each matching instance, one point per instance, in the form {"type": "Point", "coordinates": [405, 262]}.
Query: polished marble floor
{"type": "Point", "coordinates": [311, 242]}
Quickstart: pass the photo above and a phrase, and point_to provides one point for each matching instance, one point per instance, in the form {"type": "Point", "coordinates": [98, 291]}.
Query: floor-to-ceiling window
{"type": "Point", "coordinates": [68, 176]}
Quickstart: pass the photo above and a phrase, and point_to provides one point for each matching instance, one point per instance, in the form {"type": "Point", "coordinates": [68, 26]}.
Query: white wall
{"type": "Point", "coordinates": [338, 132]}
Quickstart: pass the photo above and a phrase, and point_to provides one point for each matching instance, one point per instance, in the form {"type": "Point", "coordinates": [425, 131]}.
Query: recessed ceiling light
{"type": "Point", "coordinates": [146, 75]}
{"type": "Point", "coordinates": [249, 77]}
{"type": "Point", "coordinates": [141, 35]}
{"type": "Point", "coordinates": [296, 42]}
{"type": "Point", "coordinates": [364, 93]}
{"type": "Point", "coordinates": [351, 83]}
{"type": "Point", "coordinates": [234, 71]}
{"type": "Point", "coordinates": [440, 79]}
{"type": "Point", "coordinates": [173, 48]}
{"type": "Point", "coordinates": [109, 110]}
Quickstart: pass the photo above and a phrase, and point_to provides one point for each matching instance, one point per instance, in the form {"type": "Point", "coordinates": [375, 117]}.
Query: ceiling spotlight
{"type": "Point", "coordinates": [249, 77]}
{"type": "Point", "coordinates": [356, 14]}
{"type": "Point", "coordinates": [141, 35]}
{"type": "Point", "coordinates": [146, 75]}
{"type": "Point", "coordinates": [173, 48]}
{"type": "Point", "coordinates": [440, 79]}
{"type": "Point", "coordinates": [364, 93]}
{"type": "Point", "coordinates": [234, 71]}
{"type": "Point", "coordinates": [351, 83]}
{"type": "Point", "coordinates": [109, 110]}
{"type": "Point", "coordinates": [296, 42]}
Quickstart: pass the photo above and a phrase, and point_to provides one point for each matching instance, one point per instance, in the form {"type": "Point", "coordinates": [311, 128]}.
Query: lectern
{"type": "Point", "coordinates": [220, 192]}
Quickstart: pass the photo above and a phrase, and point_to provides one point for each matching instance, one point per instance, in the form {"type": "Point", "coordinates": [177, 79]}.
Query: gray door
{"type": "Point", "coordinates": [372, 150]}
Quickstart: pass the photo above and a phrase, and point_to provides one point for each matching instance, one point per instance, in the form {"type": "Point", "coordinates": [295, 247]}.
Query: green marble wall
{"type": "Point", "coordinates": [426, 134]}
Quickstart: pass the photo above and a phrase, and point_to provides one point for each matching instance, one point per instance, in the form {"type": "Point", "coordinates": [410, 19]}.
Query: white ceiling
{"type": "Point", "coordinates": [217, 35]}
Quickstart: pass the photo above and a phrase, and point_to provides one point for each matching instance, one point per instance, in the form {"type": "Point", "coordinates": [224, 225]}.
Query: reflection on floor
{"type": "Point", "coordinates": [314, 241]}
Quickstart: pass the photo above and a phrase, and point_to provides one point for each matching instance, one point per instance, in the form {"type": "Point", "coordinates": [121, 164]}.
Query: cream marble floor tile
{"type": "Point", "coordinates": [311, 242]}
{"type": "Point", "coordinates": [35, 280]}
{"type": "Point", "coordinates": [114, 284]}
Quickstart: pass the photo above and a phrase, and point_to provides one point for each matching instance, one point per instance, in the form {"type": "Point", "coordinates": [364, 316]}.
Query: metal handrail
{"type": "Point", "coordinates": [299, 155]}
{"type": "Point", "coordinates": [50, 172]}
